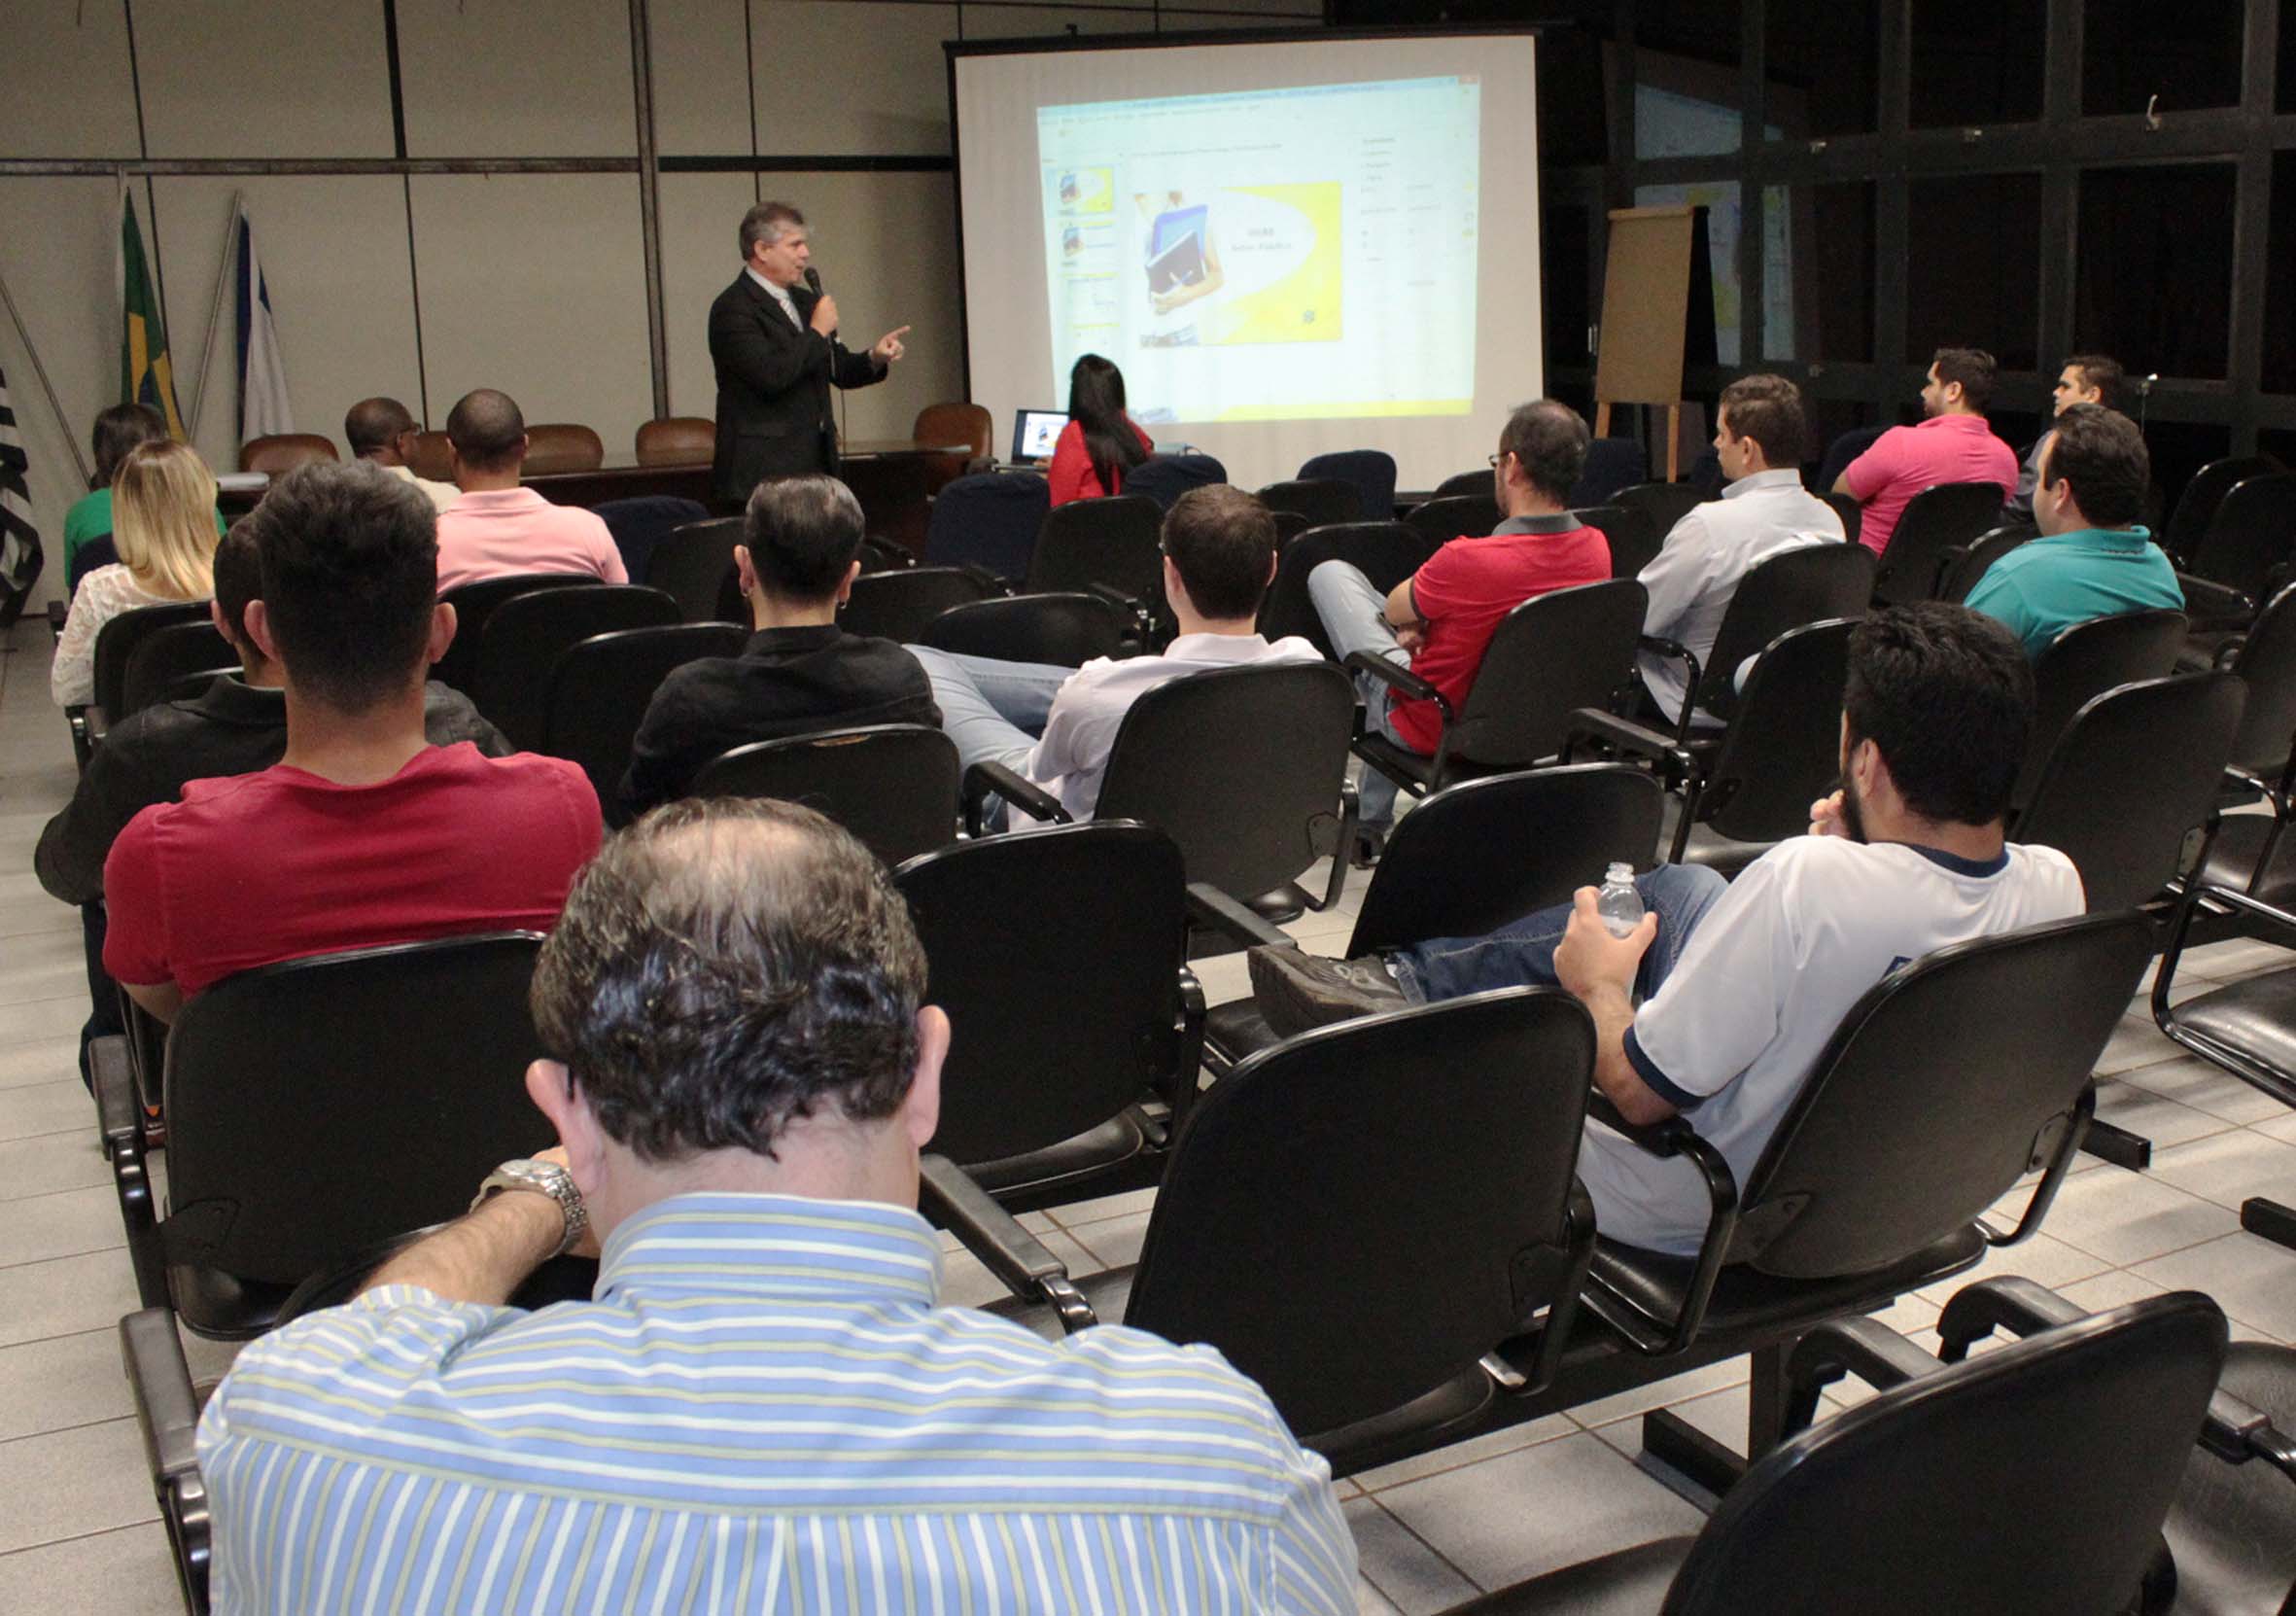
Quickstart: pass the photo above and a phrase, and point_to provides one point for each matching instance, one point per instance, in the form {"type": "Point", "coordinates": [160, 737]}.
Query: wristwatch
{"type": "Point", "coordinates": [547, 1178]}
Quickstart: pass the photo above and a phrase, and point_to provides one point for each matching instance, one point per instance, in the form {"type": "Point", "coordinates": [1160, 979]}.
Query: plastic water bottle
{"type": "Point", "coordinates": [1618, 904]}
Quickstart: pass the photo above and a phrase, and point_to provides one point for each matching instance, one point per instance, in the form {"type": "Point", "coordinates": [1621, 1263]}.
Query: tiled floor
{"type": "Point", "coordinates": [77, 1525]}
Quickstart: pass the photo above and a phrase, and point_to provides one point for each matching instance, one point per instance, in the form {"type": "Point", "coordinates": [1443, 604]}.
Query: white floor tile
{"type": "Point", "coordinates": [46, 1163]}
{"type": "Point", "coordinates": [2154, 1116]}
{"type": "Point", "coordinates": [2230, 1168]}
{"type": "Point", "coordinates": [2250, 1278]}
{"type": "Point", "coordinates": [125, 1571]}
{"type": "Point", "coordinates": [2282, 1126]}
{"type": "Point", "coordinates": [2238, 957]}
{"type": "Point", "coordinates": [1115, 1242]}
{"type": "Point", "coordinates": [1410, 1575]}
{"type": "Point", "coordinates": [67, 1484]}
{"type": "Point", "coordinates": [66, 1381]}
{"type": "Point", "coordinates": [2134, 1043]}
{"type": "Point", "coordinates": [66, 1296]}
{"type": "Point", "coordinates": [1678, 1388]}
{"type": "Point", "coordinates": [42, 1019]}
{"type": "Point", "coordinates": [65, 1223]}
{"type": "Point", "coordinates": [1474, 1450]}
{"type": "Point", "coordinates": [2041, 1258]}
{"type": "Point", "coordinates": [1077, 1214]}
{"type": "Point", "coordinates": [2127, 1218]}
{"type": "Point", "coordinates": [58, 1107]}
{"type": "Point", "coordinates": [2192, 1081]}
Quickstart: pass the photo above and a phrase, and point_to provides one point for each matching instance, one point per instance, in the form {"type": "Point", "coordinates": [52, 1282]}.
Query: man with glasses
{"type": "Point", "coordinates": [1439, 621]}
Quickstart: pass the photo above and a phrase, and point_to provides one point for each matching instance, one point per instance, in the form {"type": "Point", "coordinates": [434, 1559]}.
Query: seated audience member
{"type": "Point", "coordinates": [162, 521]}
{"type": "Point", "coordinates": [1743, 985]}
{"type": "Point", "coordinates": [2092, 560]}
{"type": "Point", "coordinates": [800, 672]}
{"type": "Point", "coordinates": [2087, 378]}
{"type": "Point", "coordinates": [1101, 443]}
{"type": "Point", "coordinates": [743, 1073]}
{"type": "Point", "coordinates": [1055, 725]}
{"type": "Point", "coordinates": [1439, 621]}
{"type": "Point", "coordinates": [1954, 443]}
{"type": "Point", "coordinates": [499, 529]}
{"type": "Point", "coordinates": [1760, 437]}
{"type": "Point", "coordinates": [118, 430]}
{"type": "Point", "coordinates": [384, 431]}
{"type": "Point", "coordinates": [363, 832]}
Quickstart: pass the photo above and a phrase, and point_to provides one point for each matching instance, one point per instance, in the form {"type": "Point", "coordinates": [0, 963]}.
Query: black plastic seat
{"type": "Point", "coordinates": [898, 606]}
{"type": "Point", "coordinates": [1809, 584]}
{"type": "Point", "coordinates": [1462, 482]}
{"type": "Point", "coordinates": [600, 689]}
{"type": "Point", "coordinates": [2247, 846]}
{"type": "Point", "coordinates": [987, 521]}
{"type": "Point", "coordinates": [1966, 564]}
{"type": "Point", "coordinates": [165, 657]}
{"type": "Point", "coordinates": [1384, 553]}
{"type": "Point", "coordinates": [1081, 1024]}
{"type": "Point", "coordinates": [473, 604]}
{"type": "Point", "coordinates": [1471, 514]}
{"type": "Point", "coordinates": [2245, 555]}
{"type": "Point", "coordinates": [525, 636]}
{"type": "Point", "coordinates": [2232, 1529]}
{"type": "Point", "coordinates": [1067, 629]}
{"type": "Point", "coordinates": [1847, 508]}
{"type": "Point", "coordinates": [1551, 656]}
{"type": "Point", "coordinates": [1165, 477]}
{"type": "Point", "coordinates": [1934, 521]}
{"type": "Point", "coordinates": [1356, 1217]}
{"type": "Point", "coordinates": [892, 784]}
{"type": "Point", "coordinates": [2196, 507]}
{"type": "Point", "coordinates": [1371, 471]}
{"type": "Point", "coordinates": [1632, 535]}
{"type": "Point", "coordinates": [1665, 503]}
{"type": "Point", "coordinates": [2136, 770]}
{"type": "Point", "coordinates": [1101, 546]}
{"type": "Point", "coordinates": [1612, 465]}
{"type": "Point", "coordinates": [2032, 1481]}
{"type": "Point", "coordinates": [1472, 856]}
{"type": "Point", "coordinates": [2085, 661]}
{"type": "Point", "coordinates": [1321, 499]}
{"type": "Point", "coordinates": [2247, 1028]}
{"type": "Point", "coordinates": [316, 1107]}
{"type": "Point", "coordinates": [694, 566]}
{"type": "Point", "coordinates": [638, 524]}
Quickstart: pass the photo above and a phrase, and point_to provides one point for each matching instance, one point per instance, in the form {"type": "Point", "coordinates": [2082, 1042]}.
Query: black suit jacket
{"type": "Point", "coordinates": [773, 389]}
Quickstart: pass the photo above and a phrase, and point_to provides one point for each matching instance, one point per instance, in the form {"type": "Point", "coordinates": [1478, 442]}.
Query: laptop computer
{"type": "Point", "coordinates": [1034, 431]}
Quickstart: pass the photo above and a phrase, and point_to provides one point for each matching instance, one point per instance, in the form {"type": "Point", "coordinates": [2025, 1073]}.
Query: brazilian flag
{"type": "Point", "coordinates": [145, 374]}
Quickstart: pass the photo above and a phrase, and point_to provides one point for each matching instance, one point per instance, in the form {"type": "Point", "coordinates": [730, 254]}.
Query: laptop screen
{"type": "Point", "coordinates": [1034, 432]}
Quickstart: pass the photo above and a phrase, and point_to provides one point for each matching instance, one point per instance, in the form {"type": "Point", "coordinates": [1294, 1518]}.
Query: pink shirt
{"type": "Point", "coordinates": [502, 532]}
{"type": "Point", "coordinates": [1906, 460]}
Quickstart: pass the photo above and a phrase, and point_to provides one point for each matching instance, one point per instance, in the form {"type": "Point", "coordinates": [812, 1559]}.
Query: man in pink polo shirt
{"type": "Point", "coordinates": [1954, 445]}
{"type": "Point", "coordinates": [499, 528]}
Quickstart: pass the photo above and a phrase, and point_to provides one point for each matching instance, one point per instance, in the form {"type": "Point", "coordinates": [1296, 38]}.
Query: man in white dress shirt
{"type": "Point", "coordinates": [1761, 435]}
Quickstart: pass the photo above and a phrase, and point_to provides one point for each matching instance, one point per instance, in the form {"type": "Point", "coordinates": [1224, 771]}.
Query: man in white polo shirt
{"type": "Point", "coordinates": [1741, 986]}
{"type": "Point", "coordinates": [1760, 436]}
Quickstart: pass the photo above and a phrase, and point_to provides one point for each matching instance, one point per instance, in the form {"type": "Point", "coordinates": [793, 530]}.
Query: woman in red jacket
{"type": "Point", "coordinates": [1099, 444]}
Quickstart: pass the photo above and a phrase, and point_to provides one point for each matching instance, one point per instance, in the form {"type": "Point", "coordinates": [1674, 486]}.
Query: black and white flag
{"type": "Point", "coordinates": [20, 554]}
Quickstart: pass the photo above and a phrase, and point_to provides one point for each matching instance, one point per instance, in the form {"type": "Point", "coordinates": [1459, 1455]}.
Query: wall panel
{"type": "Point", "coordinates": [701, 81]}
{"type": "Point", "coordinates": [701, 216]}
{"type": "Point", "coordinates": [502, 81]}
{"type": "Point", "coordinates": [285, 79]}
{"type": "Point", "coordinates": [852, 76]}
{"type": "Point", "coordinates": [65, 90]}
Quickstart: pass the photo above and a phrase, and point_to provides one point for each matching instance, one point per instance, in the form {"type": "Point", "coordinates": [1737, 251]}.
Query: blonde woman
{"type": "Point", "coordinates": [163, 524]}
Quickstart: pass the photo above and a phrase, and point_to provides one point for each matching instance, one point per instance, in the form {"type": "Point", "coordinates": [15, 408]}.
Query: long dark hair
{"type": "Point", "coordinates": [1096, 402]}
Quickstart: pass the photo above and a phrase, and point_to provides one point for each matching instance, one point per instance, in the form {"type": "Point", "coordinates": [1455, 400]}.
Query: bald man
{"type": "Point", "coordinates": [500, 528]}
{"type": "Point", "coordinates": [383, 431]}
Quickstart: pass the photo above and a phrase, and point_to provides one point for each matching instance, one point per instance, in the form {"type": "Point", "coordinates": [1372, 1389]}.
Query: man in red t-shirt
{"type": "Point", "coordinates": [363, 833]}
{"type": "Point", "coordinates": [1440, 620]}
{"type": "Point", "coordinates": [1954, 443]}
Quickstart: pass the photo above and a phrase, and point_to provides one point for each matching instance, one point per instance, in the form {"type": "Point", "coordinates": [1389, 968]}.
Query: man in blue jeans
{"type": "Point", "coordinates": [1741, 986]}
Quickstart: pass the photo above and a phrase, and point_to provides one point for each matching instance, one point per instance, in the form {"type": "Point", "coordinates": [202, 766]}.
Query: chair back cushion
{"type": "Point", "coordinates": [1807, 584]}
{"type": "Point", "coordinates": [639, 522]}
{"type": "Point", "coordinates": [1371, 471]}
{"type": "Point", "coordinates": [892, 784]}
{"type": "Point", "coordinates": [691, 563]}
{"type": "Point", "coordinates": [899, 606]}
{"type": "Point", "coordinates": [1962, 576]}
{"type": "Point", "coordinates": [165, 656]}
{"type": "Point", "coordinates": [1471, 514]}
{"type": "Point", "coordinates": [1551, 656]}
{"type": "Point", "coordinates": [1356, 1216]}
{"type": "Point", "coordinates": [118, 640]}
{"type": "Point", "coordinates": [1068, 1011]}
{"type": "Point", "coordinates": [987, 521]}
{"type": "Point", "coordinates": [2195, 508]}
{"type": "Point", "coordinates": [1462, 482]}
{"type": "Point", "coordinates": [1384, 553]}
{"type": "Point", "coordinates": [598, 691]}
{"type": "Point", "coordinates": [1934, 519]}
{"type": "Point", "coordinates": [2251, 539]}
{"type": "Point", "coordinates": [1165, 477]}
{"type": "Point", "coordinates": [283, 452]}
{"type": "Point", "coordinates": [563, 446]}
{"type": "Point", "coordinates": [475, 602]}
{"type": "Point", "coordinates": [1320, 499]}
{"type": "Point", "coordinates": [1663, 503]}
{"type": "Point", "coordinates": [2267, 664]}
{"type": "Point", "coordinates": [1111, 541]}
{"type": "Point", "coordinates": [1631, 534]}
{"type": "Point", "coordinates": [2085, 661]}
{"type": "Point", "coordinates": [1783, 749]}
{"type": "Point", "coordinates": [1063, 630]}
{"type": "Point", "coordinates": [968, 424]}
{"type": "Point", "coordinates": [1612, 465]}
{"type": "Point", "coordinates": [677, 440]}
{"type": "Point", "coordinates": [525, 636]}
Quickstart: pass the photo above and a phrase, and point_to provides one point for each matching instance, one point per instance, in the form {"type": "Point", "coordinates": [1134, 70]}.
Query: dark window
{"type": "Point", "coordinates": [2153, 270]}
{"type": "Point", "coordinates": [2277, 442]}
{"type": "Point", "coordinates": [2285, 98]}
{"type": "Point", "coordinates": [1687, 93]}
{"type": "Point", "coordinates": [2187, 53]}
{"type": "Point", "coordinates": [1563, 257]}
{"type": "Point", "coordinates": [2017, 428]}
{"type": "Point", "coordinates": [1975, 278]}
{"type": "Point", "coordinates": [1823, 61]}
{"type": "Point", "coordinates": [1818, 260]}
{"type": "Point", "coordinates": [2280, 279]}
{"type": "Point", "coordinates": [1830, 418]}
{"type": "Point", "coordinates": [1574, 123]}
{"type": "Point", "coordinates": [1978, 62]}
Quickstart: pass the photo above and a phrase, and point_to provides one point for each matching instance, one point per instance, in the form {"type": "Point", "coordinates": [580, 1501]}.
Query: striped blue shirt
{"type": "Point", "coordinates": [761, 1410]}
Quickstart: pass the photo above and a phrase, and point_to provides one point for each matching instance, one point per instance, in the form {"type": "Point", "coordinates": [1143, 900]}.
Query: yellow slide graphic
{"type": "Point", "coordinates": [1301, 306]}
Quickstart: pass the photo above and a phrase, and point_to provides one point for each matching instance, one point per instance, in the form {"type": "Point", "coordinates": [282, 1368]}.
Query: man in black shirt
{"type": "Point", "coordinates": [800, 672]}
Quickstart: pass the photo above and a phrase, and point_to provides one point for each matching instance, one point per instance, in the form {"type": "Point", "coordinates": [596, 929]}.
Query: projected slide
{"type": "Point", "coordinates": [1287, 254]}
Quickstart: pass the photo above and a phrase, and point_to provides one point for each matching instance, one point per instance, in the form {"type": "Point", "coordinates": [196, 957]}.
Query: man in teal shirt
{"type": "Point", "coordinates": [2092, 560]}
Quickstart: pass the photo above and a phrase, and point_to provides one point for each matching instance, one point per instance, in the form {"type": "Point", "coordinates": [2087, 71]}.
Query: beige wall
{"type": "Point", "coordinates": [531, 283]}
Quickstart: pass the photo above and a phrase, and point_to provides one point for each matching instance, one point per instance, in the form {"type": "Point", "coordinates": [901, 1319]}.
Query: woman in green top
{"type": "Point", "coordinates": [118, 430]}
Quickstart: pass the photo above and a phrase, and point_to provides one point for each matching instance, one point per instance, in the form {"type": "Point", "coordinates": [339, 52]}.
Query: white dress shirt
{"type": "Point", "coordinates": [780, 295]}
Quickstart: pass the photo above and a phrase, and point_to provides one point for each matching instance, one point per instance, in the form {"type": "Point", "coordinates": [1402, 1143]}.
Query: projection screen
{"type": "Point", "coordinates": [1288, 247]}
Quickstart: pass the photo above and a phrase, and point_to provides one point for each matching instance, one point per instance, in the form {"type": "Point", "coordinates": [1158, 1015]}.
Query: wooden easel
{"type": "Point", "coordinates": [1640, 359]}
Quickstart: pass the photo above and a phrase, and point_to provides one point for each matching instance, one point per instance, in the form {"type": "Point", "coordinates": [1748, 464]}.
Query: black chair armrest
{"type": "Point", "coordinates": [1207, 906]}
{"type": "Point", "coordinates": [2206, 598]}
{"type": "Point", "coordinates": [1593, 723]}
{"type": "Point", "coordinates": [57, 613]}
{"type": "Point", "coordinates": [2009, 1303]}
{"type": "Point", "coordinates": [1669, 1138]}
{"type": "Point", "coordinates": [984, 781]}
{"type": "Point", "coordinates": [1400, 677]}
{"type": "Point", "coordinates": [1178, 1087]}
{"type": "Point", "coordinates": [1865, 1347]}
{"type": "Point", "coordinates": [119, 1111]}
{"type": "Point", "coordinates": [166, 1406]}
{"type": "Point", "coordinates": [1021, 1261]}
{"type": "Point", "coordinates": [1663, 647]}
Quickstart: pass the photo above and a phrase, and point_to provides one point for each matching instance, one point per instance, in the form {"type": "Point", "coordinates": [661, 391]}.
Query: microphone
{"type": "Point", "coordinates": [812, 282]}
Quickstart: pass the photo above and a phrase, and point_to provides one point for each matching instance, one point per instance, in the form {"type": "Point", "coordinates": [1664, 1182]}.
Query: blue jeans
{"type": "Point", "coordinates": [1354, 619]}
{"type": "Point", "coordinates": [1521, 953]}
{"type": "Point", "coordinates": [993, 711]}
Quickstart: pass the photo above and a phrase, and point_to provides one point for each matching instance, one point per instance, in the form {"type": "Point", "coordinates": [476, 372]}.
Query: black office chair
{"type": "Point", "coordinates": [1842, 451]}
{"type": "Point", "coordinates": [2032, 1481]}
{"type": "Point", "coordinates": [1354, 1218]}
{"type": "Point", "coordinates": [1633, 538]}
{"type": "Point", "coordinates": [987, 521]}
{"type": "Point", "coordinates": [638, 524]}
{"type": "Point", "coordinates": [2196, 507]}
{"type": "Point", "coordinates": [1165, 477]}
{"type": "Point", "coordinates": [1245, 768]}
{"type": "Point", "coordinates": [1852, 513]}
{"type": "Point", "coordinates": [2244, 555]}
{"type": "Point", "coordinates": [1321, 499]}
{"type": "Point", "coordinates": [1665, 503]}
{"type": "Point", "coordinates": [600, 689]}
{"type": "Point", "coordinates": [892, 785]}
{"type": "Point", "coordinates": [1964, 565]}
{"type": "Point", "coordinates": [1462, 482]}
{"type": "Point", "coordinates": [2135, 773]}
{"type": "Point", "coordinates": [1934, 521]}
{"type": "Point", "coordinates": [1067, 629]}
{"type": "Point", "coordinates": [166, 658]}
{"type": "Point", "coordinates": [1552, 655]}
{"type": "Point", "coordinates": [1613, 464]}
{"type": "Point", "coordinates": [1371, 471]}
{"type": "Point", "coordinates": [1940, 1089]}
{"type": "Point", "coordinates": [473, 604]}
{"type": "Point", "coordinates": [1808, 584]}
{"type": "Point", "coordinates": [1471, 858]}
{"type": "Point", "coordinates": [2085, 661]}
{"type": "Point", "coordinates": [1384, 553]}
{"type": "Point", "coordinates": [1082, 1024]}
{"type": "Point", "coordinates": [314, 1107]}
{"type": "Point", "coordinates": [116, 644]}
{"type": "Point", "coordinates": [524, 638]}
{"type": "Point", "coordinates": [694, 566]}
{"type": "Point", "coordinates": [2247, 846]}
{"type": "Point", "coordinates": [898, 606]}
{"type": "Point", "coordinates": [1102, 547]}
{"type": "Point", "coordinates": [1473, 515]}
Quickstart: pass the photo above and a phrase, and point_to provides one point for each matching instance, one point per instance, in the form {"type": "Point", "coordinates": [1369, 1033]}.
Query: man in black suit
{"type": "Point", "coordinates": [773, 339]}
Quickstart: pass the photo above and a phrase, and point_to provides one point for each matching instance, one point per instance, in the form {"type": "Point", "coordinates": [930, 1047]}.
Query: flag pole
{"type": "Point", "coordinates": [62, 421]}
{"type": "Point", "coordinates": [215, 313]}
